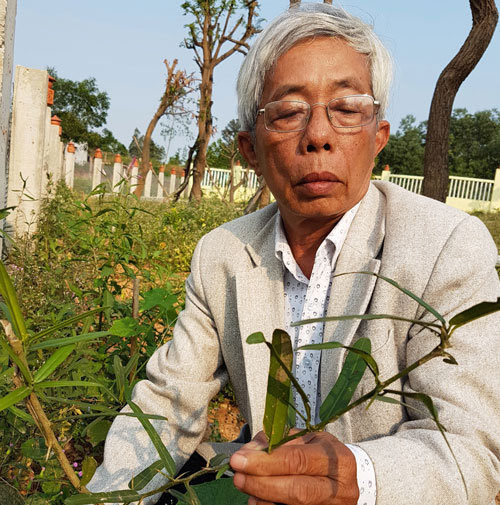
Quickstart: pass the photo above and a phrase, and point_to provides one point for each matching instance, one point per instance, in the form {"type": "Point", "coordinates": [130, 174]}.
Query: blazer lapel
{"type": "Point", "coordinates": [351, 294]}
{"type": "Point", "coordinates": [260, 294]}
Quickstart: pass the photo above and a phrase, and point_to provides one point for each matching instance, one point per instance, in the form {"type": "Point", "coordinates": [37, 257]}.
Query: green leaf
{"type": "Point", "coordinates": [218, 459]}
{"type": "Point", "coordinates": [351, 374]}
{"type": "Point", "coordinates": [13, 356]}
{"type": "Point", "coordinates": [139, 481]}
{"type": "Point", "coordinates": [220, 492]}
{"type": "Point", "coordinates": [256, 338]}
{"type": "Point", "coordinates": [60, 384]}
{"type": "Point", "coordinates": [8, 293]}
{"type": "Point", "coordinates": [387, 399]}
{"type": "Point", "coordinates": [63, 324]}
{"type": "Point", "coordinates": [158, 297]}
{"type": "Point", "coordinates": [222, 470]}
{"type": "Point", "coordinates": [120, 376]}
{"type": "Point", "coordinates": [14, 397]}
{"type": "Point", "coordinates": [97, 431]}
{"type": "Point", "coordinates": [22, 415]}
{"type": "Point", "coordinates": [123, 496]}
{"type": "Point", "coordinates": [413, 296]}
{"type": "Point", "coordinates": [126, 327]}
{"type": "Point", "coordinates": [366, 356]}
{"type": "Point", "coordinates": [278, 389]}
{"type": "Point", "coordinates": [475, 312]}
{"type": "Point", "coordinates": [155, 439]}
{"type": "Point", "coordinates": [34, 448]}
{"type": "Point", "coordinates": [89, 466]}
{"type": "Point", "coordinates": [182, 499]}
{"type": "Point", "coordinates": [53, 362]}
{"type": "Point", "coordinates": [58, 342]}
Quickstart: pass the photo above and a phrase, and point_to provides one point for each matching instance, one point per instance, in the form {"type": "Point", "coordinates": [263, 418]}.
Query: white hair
{"type": "Point", "coordinates": [301, 22]}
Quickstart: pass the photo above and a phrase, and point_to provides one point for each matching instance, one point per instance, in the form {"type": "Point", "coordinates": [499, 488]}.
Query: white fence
{"type": "Point", "coordinates": [465, 193]}
{"type": "Point", "coordinates": [219, 177]}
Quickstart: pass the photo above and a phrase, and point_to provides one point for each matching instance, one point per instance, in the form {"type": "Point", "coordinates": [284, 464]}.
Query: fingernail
{"type": "Point", "coordinates": [238, 462]}
{"type": "Point", "coordinates": [239, 480]}
{"type": "Point", "coordinates": [255, 446]}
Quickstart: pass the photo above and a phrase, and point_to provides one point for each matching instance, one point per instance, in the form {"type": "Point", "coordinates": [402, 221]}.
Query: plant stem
{"type": "Point", "coordinates": [381, 386]}
{"type": "Point", "coordinates": [38, 414]}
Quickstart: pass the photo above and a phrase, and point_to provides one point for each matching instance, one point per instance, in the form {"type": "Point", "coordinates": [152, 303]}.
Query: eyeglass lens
{"type": "Point", "coordinates": [344, 112]}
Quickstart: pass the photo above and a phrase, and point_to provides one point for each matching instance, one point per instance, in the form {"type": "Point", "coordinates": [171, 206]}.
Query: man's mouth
{"type": "Point", "coordinates": [318, 177]}
{"type": "Point", "coordinates": [317, 184]}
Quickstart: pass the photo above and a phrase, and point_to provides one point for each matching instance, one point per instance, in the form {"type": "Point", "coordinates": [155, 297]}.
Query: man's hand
{"type": "Point", "coordinates": [315, 469]}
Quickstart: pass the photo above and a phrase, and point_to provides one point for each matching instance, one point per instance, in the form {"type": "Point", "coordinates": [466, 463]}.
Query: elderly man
{"type": "Point", "coordinates": [312, 94]}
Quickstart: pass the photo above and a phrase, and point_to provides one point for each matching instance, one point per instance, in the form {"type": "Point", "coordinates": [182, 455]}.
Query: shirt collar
{"type": "Point", "coordinates": [330, 247]}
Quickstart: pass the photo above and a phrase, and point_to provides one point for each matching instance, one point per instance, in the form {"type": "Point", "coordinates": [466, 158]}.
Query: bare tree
{"type": "Point", "coordinates": [213, 39]}
{"type": "Point", "coordinates": [177, 86]}
{"type": "Point", "coordinates": [484, 21]}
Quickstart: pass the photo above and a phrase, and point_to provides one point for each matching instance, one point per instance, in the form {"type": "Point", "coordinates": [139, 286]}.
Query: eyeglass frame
{"type": "Point", "coordinates": [376, 104]}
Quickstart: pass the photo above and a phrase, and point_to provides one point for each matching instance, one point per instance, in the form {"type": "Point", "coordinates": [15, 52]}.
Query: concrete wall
{"type": "Point", "coordinates": [7, 27]}
{"type": "Point", "coordinates": [29, 118]}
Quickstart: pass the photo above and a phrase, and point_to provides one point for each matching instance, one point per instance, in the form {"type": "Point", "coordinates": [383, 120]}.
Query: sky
{"type": "Point", "coordinates": [123, 44]}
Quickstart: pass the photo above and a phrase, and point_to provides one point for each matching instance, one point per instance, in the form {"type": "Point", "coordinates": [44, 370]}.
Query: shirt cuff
{"type": "Point", "coordinates": [365, 476]}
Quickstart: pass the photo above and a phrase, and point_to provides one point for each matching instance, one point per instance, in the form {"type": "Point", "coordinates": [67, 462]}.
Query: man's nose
{"type": "Point", "coordinates": [318, 132]}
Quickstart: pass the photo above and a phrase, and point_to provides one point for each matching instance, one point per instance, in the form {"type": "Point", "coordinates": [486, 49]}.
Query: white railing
{"type": "Point", "coordinates": [470, 189]}
{"type": "Point", "coordinates": [466, 188]}
{"type": "Point", "coordinates": [411, 183]}
{"type": "Point", "coordinates": [219, 177]}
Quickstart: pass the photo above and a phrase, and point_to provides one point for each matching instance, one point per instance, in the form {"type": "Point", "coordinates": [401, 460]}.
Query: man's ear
{"type": "Point", "coordinates": [247, 149]}
{"type": "Point", "coordinates": [382, 135]}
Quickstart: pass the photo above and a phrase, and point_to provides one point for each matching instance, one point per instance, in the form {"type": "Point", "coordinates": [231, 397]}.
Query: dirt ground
{"type": "Point", "coordinates": [225, 422]}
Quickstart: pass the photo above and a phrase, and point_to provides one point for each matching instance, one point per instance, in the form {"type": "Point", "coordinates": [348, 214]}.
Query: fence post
{"type": "Point", "coordinates": [69, 165]}
{"type": "Point", "coordinates": [133, 176]}
{"type": "Point", "coordinates": [97, 174]}
{"type": "Point", "coordinates": [117, 174]}
{"type": "Point", "coordinates": [7, 28]}
{"type": "Point", "coordinates": [171, 186]}
{"type": "Point", "coordinates": [148, 181]}
{"type": "Point", "coordinates": [386, 173]}
{"type": "Point", "coordinates": [161, 182]}
{"type": "Point", "coordinates": [495, 194]}
{"type": "Point", "coordinates": [27, 146]}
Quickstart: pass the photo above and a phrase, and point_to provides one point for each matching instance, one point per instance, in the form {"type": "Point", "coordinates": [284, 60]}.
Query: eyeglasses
{"type": "Point", "coordinates": [345, 112]}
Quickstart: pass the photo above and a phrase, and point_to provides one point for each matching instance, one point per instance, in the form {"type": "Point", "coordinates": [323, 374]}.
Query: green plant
{"type": "Point", "coordinates": [280, 412]}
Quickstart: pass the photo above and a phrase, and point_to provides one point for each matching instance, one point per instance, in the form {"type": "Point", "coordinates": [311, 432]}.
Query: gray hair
{"type": "Point", "coordinates": [302, 22]}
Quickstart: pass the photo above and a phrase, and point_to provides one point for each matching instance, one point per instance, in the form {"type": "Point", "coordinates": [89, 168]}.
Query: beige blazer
{"type": "Point", "coordinates": [236, 288]}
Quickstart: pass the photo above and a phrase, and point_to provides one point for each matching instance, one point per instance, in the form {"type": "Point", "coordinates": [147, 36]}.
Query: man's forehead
{"type": "Point", "coordinates": [341, 68]}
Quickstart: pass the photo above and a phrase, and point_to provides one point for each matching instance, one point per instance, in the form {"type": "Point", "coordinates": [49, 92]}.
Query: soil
{"type": "Point", "coordinates": [224, 420]}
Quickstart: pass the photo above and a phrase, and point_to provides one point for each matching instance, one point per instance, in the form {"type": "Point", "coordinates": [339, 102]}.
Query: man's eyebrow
{"type": "Point", "coordinates": [340, 84]}
{"type": "Point", "coordinates": [287, 89]}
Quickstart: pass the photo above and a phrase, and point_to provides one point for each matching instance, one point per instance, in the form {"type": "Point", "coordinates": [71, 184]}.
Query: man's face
{"type": "Point", "coordinates": [320, 172]}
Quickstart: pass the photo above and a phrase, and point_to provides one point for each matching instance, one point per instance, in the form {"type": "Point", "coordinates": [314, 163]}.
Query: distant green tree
{"type": "Point", "coordinates": [83, 110]}
{"type": "Point", "coordinates": [179, 158]}
{"type": "Point", "coordinates": [404, 152]}
{"type": "Point", "coordinates": [157, 153]}
{"type": "Point", "coordinates": [224, 151]}
{"type": "Point", "coordinates": [474, 143]}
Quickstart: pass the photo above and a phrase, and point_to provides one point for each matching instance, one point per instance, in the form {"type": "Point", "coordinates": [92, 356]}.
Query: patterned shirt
{"type": "Point", "coordinates": [306, 299]}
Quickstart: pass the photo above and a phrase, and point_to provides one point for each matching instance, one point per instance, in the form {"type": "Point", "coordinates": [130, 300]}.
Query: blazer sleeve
{"type": "Point", "coordinates": [414, 465]}
{"type": "Point", "coordinates": [183, 376]}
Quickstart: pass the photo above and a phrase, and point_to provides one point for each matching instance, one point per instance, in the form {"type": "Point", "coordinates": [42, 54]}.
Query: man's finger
{"type": "Point", "coordinates": [323, 459]}
{"type": "Point", "coordinates": [291, 490]}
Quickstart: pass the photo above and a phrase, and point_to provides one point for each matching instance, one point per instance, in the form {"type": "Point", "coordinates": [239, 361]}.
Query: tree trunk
{"type": "Point", "coordinates": [484, 21]}
{"type": "Point", "coordinates": [204, 131]}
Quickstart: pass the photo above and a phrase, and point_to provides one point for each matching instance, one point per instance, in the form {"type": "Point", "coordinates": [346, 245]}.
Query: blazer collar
{"type": "Point", "coordinates": [351, 293]}
{"type": "Point", "coordinates": [260, 295]}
